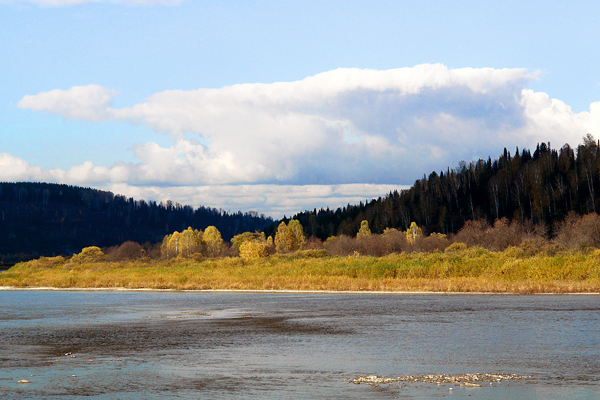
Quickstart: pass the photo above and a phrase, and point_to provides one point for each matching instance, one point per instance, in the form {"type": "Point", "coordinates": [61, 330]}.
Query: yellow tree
{"type": "Point", "coordinates": [289, 237]}
{"type": "Point", "coordinates": [238, 240]}
{"type": "Point", "coordinates": [189, 242]}
{"type": "Point", "coordinates": [174, 244]}
{"type": "Point", "coordinates": [298, 240]}
{"type": "Point", "coordinates": [364, 229]}
{"type": "Point", "coordinates": [212, 241]}
{"type": "Point", "coordinates": [413, 233]}
{"type": "Point", "coordinates": [280, 237]}
{"type": "Point", "coordinates": [164, 247]}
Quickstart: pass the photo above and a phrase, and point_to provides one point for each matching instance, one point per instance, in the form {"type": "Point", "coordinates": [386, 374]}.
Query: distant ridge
{"type": "Point", "coordinates": [45, 219]}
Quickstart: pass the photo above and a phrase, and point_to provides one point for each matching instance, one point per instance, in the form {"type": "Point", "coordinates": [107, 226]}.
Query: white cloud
{"type": "Point", "coordinates": [271, 200]}
{"type": "Point", "coordinates": [347, 126]}
{"type": "Point", "coordinates": [90, 103]}
{"type": "Point", "coordinates": [14, 169]}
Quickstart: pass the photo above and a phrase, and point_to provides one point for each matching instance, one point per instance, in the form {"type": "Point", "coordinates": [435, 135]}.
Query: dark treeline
{"type": "Point", "coordinates": [43, 219]}
{"type": "Point", "coordinates": [540, 187]}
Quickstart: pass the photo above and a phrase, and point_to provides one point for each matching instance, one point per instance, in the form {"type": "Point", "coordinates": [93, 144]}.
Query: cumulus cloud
{"type": "Point", "coordinates": [341, 127]}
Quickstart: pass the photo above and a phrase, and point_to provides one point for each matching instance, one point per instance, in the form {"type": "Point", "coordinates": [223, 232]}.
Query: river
{"type": "Point", "coordinates": [214, 345]}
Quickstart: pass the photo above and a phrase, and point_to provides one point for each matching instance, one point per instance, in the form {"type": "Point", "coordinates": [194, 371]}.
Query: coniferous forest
{"type": "Point", "coordinates": [542, 187]}
{"type": "Point", "coordinates": [43, 219]}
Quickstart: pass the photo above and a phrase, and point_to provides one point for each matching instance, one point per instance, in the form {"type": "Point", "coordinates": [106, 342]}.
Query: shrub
{"type": "Point", "coordinates": [455, 248]}
{"type": "Point", "coordinates": [313, 253]}
{"type": "Point", "coordinates": [127, 251]}
{"type": "Point", "coordinates": [341, 245]}
{"type": "Point", "coordinates": [394, 241]}
{"type": "Point", "coordinates": [371, 245]}
{"type": "Point", "coordinates": [253, 249]}
{"type": "Point", "coordinates": [432, 243]}
{"type": "Point", "coordinates": [579, 232]}
{"type": "Point", "coordinates": [90, 254]}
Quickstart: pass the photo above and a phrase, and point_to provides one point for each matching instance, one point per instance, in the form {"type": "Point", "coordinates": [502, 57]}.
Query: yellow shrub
{"type": "Point", "coordinates": [253, 249]}
{"type": "Point", "coordinates": [455, 247]}
{"type": "Point", "coordinates": [89, 255]}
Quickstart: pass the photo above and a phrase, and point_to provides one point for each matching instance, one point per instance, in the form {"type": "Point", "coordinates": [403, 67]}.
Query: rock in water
{"type": "Point", "coordinates": [24, 381]}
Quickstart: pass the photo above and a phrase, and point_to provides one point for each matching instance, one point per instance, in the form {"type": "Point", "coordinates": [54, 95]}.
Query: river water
{"type": "Point", "coordinates": [198, 345]}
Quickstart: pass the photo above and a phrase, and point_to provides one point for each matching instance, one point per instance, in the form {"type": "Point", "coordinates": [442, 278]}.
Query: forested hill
{"type": "Point", "coordinates": [49, 219]}
{"type": "Point", "coordinates": [542, 186]}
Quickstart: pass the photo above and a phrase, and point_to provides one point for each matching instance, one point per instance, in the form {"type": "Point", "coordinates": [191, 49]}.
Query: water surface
{"type": "Point", "coordinates": [154, 345]}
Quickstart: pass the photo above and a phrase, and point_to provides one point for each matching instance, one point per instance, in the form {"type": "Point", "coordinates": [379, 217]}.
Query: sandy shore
{"type": "Point", "coordinates": [118, 289]}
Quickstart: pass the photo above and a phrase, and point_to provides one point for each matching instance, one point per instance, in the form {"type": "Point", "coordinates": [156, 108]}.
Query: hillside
{"type": "Point", "coordinates": [542, 187]}
{"type": "Point", "coordinates": [50, 219]}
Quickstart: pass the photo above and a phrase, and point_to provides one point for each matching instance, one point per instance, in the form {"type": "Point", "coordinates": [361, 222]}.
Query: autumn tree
{"type": "Point", "coordinates": [183, 244]}
{"type": "Point", "coordinates": [289, 237]}
{"type": "Point", "coordinates": [413, 233]}
{"type": "Point", "coordinates": [174, 244]}
{"type": "Point", "coordinates": [253, 249]}
{"type": "Point", "coordinates": [213, 242]}
{"type": "Point", "coordinates": [364, 229]}
{"type": "Point", "coordinates": [190, 242]}
{"type": "Point", "coordinates": [297, 232]}
{"type": "Point", "coordinates": [238, 240]}
{"type": "Point", "coordinates": [164, 247]}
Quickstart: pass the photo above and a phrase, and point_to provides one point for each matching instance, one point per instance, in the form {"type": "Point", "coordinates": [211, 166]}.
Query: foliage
{"type": "Point", "coordinates": [90, 254]}
{"type": "Point", "coordinates": [289, 237]}
{"type": "Point", "coordinates": [579, 232]}
{"type": "Point", "coordinates": [254, 249]}
{"type": "Point", "coordinates": [213, 242]}
{"type": "Point", "coordinates": [241, 238]}
{"type": "Point", "coordinates": [364, 229]}
{"type": "Point", "coordinates": [127, 251]}
{"type": "Point", "coordinates": [413, 233]}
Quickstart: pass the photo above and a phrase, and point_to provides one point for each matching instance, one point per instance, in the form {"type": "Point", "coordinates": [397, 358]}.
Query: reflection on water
{"type": "Point", "coordinates": [140, 345]}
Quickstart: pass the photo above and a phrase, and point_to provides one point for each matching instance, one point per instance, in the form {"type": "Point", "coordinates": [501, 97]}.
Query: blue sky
{"type": "Point", "coordinates": [281, 106]}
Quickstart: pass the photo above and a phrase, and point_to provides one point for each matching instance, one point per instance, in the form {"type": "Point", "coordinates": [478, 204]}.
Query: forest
{"type": "Point", "coordinates": [45, 219]}
{"type": "Point", "coordinates": [540, 187]}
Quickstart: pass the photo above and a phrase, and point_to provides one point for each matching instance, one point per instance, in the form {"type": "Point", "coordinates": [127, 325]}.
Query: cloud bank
{"type": "Point", "coordinates": [334, 129]}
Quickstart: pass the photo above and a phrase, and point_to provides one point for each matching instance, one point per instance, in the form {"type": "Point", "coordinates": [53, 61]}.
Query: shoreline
{"type": "Point", "coordinates": [283, 291]}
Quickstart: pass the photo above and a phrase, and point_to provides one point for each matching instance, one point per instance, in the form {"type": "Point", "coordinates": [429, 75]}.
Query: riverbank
{"type": "Point", "coordinates": [117, 289]}
{"type": "Point", "coordinates": [472, 270]}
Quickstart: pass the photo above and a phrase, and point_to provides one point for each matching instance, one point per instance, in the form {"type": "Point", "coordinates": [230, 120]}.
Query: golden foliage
{"type": "Point", "coordinates": [213, 242]}
{"type": "Point", "coordinates": [413, 233]}
{"type": "Point", "coordinates": [289, 237]}
{"type": "Point", "coordinates": [253, 249]}
{"type": "Point", "coordinates": [364, 229]}
{"type": "Point", "coordinates": [90, 254]}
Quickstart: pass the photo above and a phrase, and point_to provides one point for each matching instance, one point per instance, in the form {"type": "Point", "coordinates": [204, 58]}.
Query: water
{"type": "Point", "coordinates": [155, 345]}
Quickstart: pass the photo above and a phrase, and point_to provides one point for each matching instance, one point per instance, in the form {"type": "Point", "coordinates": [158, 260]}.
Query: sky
{"type": "Point", "coordinates": [283, 106]}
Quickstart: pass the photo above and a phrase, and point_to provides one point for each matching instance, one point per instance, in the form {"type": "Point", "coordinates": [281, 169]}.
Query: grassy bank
{"type": "Point", "coordinates": [464, 270]}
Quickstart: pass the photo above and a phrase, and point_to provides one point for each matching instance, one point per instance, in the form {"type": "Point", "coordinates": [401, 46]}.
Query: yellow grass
{"type": "Point", "coordinates": [467, 270]}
